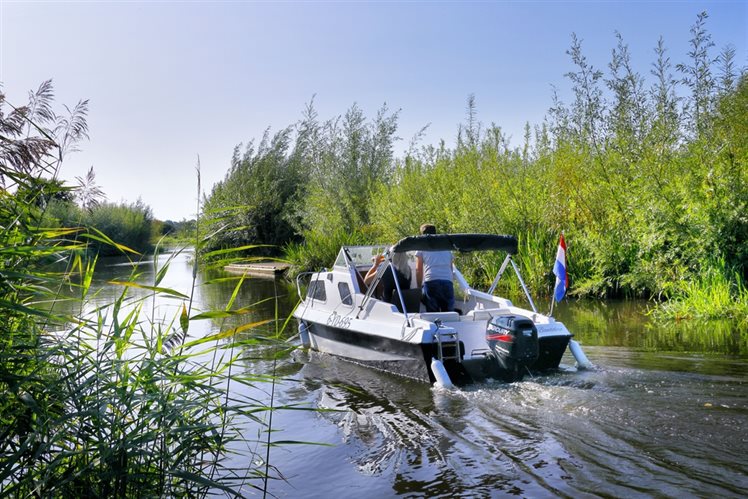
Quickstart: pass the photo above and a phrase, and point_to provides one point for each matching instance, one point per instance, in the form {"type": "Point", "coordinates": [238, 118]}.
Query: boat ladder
{"type": "Point", "coordinates": [447, 345]}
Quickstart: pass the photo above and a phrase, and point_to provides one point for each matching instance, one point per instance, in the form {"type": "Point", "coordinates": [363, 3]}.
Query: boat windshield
{"type": "Point", "coordinates": [359, 255]}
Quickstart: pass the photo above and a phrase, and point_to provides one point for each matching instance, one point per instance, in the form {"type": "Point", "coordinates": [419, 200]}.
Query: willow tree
{"type": "Point", "coordinates": [347, 158]}
{"type": "Point", "coordinates": [253, 204]}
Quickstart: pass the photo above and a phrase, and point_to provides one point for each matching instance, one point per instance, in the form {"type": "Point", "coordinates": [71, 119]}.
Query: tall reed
{"type": "Point", "coordinates": [102, 408]}
{"type": "Point", "coordinates": [119, 399]}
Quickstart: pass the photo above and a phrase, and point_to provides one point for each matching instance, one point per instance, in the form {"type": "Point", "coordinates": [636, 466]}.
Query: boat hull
{"type": "Point", "coordinates": [395, 356]}
{"type": "Point", "coordinates": [413, 360]}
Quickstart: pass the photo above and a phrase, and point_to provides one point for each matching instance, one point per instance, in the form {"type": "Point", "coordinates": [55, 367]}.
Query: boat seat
{"type": "Point", "coordinates": [412, 299]}
{"type": "Point", "coordinates": [485, 314]}
{"type": "Point", "coordinates": [443, 316]}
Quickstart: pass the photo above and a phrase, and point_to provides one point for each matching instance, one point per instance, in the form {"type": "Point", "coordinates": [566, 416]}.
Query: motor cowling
{"type": "Point", "coordinates": [513, 340]}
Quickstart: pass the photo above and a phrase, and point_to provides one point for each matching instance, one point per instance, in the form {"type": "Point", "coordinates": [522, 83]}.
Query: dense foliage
{"type": "Point", "coordinates": [646, 176]}
{"type": "Point", "coordinates": [322, 183]}
{"type": "Point", "coordinates": [253, 203]}
{"type": "Point", "coordinates": [183, 230]}
{"type": "Point", "coordinates": [129, 224]}
{"type": "Point", "coordinates": [647, 186]}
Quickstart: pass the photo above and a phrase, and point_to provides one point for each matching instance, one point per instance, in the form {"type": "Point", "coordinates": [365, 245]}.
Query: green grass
{"type": "Point", "coordinates": [717, 292]}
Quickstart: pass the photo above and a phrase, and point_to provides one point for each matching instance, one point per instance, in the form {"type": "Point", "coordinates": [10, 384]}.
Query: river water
{"type": "Point", "coordinates": [664, 412]}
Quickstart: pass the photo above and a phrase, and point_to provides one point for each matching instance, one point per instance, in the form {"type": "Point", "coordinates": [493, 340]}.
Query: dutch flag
{"type": "Point", "coordinates": [559, 270]}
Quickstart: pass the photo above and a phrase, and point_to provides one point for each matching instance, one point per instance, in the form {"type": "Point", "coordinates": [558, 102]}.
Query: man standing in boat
{"type": "Point", "coordinates": [434, 274]}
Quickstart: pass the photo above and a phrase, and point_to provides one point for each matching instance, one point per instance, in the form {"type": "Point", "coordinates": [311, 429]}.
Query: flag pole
{"type": "Point", "coordinates": [553, 301]}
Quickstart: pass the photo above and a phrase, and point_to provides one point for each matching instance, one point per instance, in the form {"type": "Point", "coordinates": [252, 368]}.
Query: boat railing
{"type": "Point", "coordinates": [508, 260]}
{"type": "Point", "coordinates": [499, 274]}
{"type": "Point", "coordinates": [522, 282]}
{"type": "Point", "coordinates": [399, 291]}
{"type": "Point", "coordinates": [485, 314]}
{"type": "Point", "coordinates": [440, 316]}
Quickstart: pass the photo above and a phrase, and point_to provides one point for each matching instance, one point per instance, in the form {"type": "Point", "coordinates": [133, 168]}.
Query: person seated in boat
{"type": "Point", "coordinates": [387, 283]}
{"type": "Point", "coordinates": [434, 274]}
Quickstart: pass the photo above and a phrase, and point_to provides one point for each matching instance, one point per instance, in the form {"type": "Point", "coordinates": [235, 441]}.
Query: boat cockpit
{"type": "Point", "coordinates": [359, 260]}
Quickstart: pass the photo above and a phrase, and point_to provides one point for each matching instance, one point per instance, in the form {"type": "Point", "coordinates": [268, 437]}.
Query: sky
{"type": "Point", "coordinates": [168, 82]}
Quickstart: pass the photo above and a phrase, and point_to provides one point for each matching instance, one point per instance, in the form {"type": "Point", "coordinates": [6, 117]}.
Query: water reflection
{"type": "Point", "coordinates": [627, 324]}
{"type": "Point", "coordinates": [103, 293]}
{"type": "Point", "coordinates": [262, 299]}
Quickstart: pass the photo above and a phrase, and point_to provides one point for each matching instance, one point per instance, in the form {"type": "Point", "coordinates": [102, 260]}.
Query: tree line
{"type": "Point", "coordinates": [645, 174]}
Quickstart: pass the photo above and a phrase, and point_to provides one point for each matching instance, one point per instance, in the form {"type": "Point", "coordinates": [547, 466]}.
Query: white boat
{"type": "Point", "coordinates": [486, 336]}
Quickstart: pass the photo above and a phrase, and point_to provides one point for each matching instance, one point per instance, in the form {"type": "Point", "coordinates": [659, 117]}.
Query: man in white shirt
{"type": "Point", "coordinates": [434, 274]}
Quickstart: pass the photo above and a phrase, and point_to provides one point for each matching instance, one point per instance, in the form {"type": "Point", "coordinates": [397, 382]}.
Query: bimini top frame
{"type": "Point", "coordinates": [451, 242]}
{"type": "Point", "coordinates": [465, 243]}
{"type": "Point", "coordinates": [457, 242]}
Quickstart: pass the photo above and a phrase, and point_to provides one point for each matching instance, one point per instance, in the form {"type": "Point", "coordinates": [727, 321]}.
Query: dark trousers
{"type": "Point", "coordinates": [438, 296]}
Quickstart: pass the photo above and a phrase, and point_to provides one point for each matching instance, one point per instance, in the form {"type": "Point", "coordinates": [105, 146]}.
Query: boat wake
{"type": "Point", "coordinates": [613, 431]}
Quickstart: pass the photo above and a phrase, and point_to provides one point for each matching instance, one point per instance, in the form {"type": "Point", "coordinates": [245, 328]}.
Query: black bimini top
{"type": "Point", "coordinates": [457, 242]}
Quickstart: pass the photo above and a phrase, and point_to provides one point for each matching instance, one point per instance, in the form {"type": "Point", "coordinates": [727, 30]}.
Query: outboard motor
{"type": "Point", "coordinates": [513, 339]}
